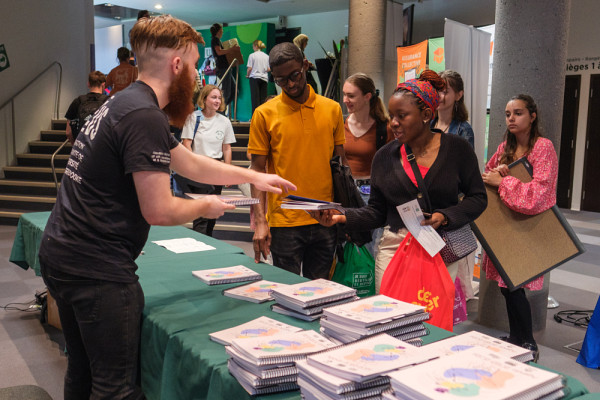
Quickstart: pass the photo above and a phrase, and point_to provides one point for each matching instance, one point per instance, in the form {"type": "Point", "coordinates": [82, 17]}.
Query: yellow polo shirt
{"type": "Point", "coordinates": [298, 140]}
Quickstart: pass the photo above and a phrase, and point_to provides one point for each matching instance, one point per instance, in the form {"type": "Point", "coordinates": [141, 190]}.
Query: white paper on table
{"type": "Point", "coordinates": [412, 215]}
{"type": "Point", "coordinates": [183, 245]}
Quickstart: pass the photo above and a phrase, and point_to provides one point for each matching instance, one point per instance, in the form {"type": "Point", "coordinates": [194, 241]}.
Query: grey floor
{"type": "Point", "coordinates": [33, 353]}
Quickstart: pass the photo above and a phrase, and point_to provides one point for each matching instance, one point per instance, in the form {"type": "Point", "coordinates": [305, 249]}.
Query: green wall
{"type": "Point", "coordinates": [246, 35]}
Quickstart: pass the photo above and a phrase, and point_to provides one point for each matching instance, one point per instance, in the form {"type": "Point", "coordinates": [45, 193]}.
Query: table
{"type": "Point", "coordinates": [178, 359]}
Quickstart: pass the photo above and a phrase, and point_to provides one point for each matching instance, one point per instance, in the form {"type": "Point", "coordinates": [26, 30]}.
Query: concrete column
{"type": "Point", "coordinates": [366, 38]}
{"type": "Point", "coordinates": [530, 52]}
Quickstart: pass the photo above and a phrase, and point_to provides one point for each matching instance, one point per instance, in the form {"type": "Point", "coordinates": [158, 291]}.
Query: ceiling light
{"type": "Point", "coordinates": [158, 7]}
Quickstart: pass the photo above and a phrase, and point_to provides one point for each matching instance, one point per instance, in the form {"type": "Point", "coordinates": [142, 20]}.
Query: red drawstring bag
{"type": "Point", "coordinates": [415, 277]}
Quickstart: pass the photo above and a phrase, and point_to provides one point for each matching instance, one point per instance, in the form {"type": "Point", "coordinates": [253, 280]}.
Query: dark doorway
{"type": "Point", "coordinates": [590, 196]}
{"type": "Point", "coordinates": [566, 161]}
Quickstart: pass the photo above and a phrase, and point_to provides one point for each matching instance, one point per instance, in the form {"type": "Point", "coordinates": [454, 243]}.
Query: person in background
{"type": "Point", "coordinates": [295, 134]}
{"type": "Point", "coordinates": [210, 134]}
{"type": "Point", "coordinates": [366, 130]}
{"type": "Point", "coordinates": [451, 117]}
{"type": "Point", "coordinates": [522, 139]}
{"type": "Point", "coordinates": [452, 114]}
{"type": "Point", "coordinates": [115, 186]}
{"type": "Point", "coordinates": [122, 75]}
{"type": "Point", "coordinates": [447, 163]}
{"type": "Point", "coordinates": [143, 14]}
{"type": "Point", "coordinates": [301, 41]}
{"type": "Point", "coordinates": [84, 106]}
{"type": "Point", "coordinates": [257, 74]}
{"type": "Point", "coordinates": [228, 85]}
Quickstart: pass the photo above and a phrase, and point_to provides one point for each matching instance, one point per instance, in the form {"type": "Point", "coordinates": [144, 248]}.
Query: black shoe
{"type": "Point", "coordinates": [510, 340]}
{"type": "Point", "coordinates": [534, 350]}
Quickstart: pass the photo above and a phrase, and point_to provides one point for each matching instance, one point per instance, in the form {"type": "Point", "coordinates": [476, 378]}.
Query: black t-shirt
{"type": "Point", "coordinates": [96, 228]}
{"type": "Point", "coordinates": [221, 61]}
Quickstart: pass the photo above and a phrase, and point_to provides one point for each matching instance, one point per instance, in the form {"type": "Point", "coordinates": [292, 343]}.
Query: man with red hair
{"type": "Point", "coordinates": [116, 185]}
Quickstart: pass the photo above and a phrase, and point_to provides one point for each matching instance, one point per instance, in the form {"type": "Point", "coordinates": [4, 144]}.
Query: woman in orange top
{"type": "Point", "coordinates": [366, 129]}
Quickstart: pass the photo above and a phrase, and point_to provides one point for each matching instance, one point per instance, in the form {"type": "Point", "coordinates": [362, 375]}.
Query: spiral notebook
{"type": "Point", "coordinates": [282, 348]}
{"type": "Point", "coordinates": [259, 327]}
{"type": "Point", "coordinates": [262, 371]}
{"type": "Point", "coordinates": [371, 311]}
{"type": "Point", "coordinates": [229, 199]}
{"type": "Point", "coordinates": [334, 384]}
{"type": "Point", "coordinates": [256, 381]}
{"type": "Point", "coordinates": [311, 293]}
{"type": "Point", "coordinates": [460, 343]}
{"type": "Point", "coordinates": [368, 358]}
{"type": "Point", "coordinates": [477, 373]}
{"type": "Point", "coordinates": [255, 292]}
{"type": "Point", "coordinates": [218, 276]}
{"type": "Point", "coordinates": [304, 203]}
{"type": "Point", "coordinates": [371, 330]}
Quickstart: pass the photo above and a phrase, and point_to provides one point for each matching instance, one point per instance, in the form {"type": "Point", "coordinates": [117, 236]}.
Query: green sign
{"type": "Point", "coordinates": [437, 58]}
{"type": "Point", "coordinates": [3, 58]}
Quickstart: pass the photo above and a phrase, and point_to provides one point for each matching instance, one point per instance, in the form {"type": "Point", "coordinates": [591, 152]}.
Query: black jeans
{"type": "Point", "coordinates": [101, 322]}
{"type": "Point", "coordinates": [201, 224]}
{"type": "Point", "coordinates": [307, 249]}
{"type": "Point", "coordinates": [258, 92]}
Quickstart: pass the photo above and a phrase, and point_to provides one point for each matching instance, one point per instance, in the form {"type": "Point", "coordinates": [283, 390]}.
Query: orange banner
{"type": "Point", "coordinates": [412, 60]}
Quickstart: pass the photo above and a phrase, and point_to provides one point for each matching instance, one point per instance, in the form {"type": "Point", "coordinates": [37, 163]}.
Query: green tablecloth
{"type": "Point", "coordinates": [31, 226]}
{"type": "Point", "coordinates": [178, 360]}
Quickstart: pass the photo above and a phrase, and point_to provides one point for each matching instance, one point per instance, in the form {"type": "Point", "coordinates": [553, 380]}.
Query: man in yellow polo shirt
{"type": "Point", "coordinates": [295, 135]}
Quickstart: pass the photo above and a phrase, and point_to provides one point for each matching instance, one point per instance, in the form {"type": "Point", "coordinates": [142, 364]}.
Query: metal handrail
{"type": "Point", "coordinates": [52, 163]}
{"type": "Point", "coordinates": [11, 100]}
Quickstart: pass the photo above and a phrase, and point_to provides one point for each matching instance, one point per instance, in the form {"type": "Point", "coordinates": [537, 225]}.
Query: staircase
{"type": "Point", "coordinates": [29, 186]}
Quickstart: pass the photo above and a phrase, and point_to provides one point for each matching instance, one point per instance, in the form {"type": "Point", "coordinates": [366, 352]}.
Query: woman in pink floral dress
{"type": "Point", "coordinates": [522, 139]}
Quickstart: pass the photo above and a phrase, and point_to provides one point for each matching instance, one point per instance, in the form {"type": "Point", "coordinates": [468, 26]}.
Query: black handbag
{"type": "Point", "coordinates": [460, 242]}
{"type": "Point", "coordinates": [346, 193]}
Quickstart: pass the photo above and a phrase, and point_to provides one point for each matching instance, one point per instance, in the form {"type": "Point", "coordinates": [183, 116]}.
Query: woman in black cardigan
{"type": "Point", "coordinates": [447, 162]}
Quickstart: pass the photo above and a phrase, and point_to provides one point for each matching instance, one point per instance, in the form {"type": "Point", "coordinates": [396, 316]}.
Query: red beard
{"type": "Point", "coordinates": [180, 94]}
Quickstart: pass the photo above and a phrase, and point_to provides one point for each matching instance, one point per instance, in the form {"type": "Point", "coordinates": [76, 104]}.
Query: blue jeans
{"type": "Point", "coordinates": [307, 249]}
{"type": "Point", "coordinates": [101, 323]}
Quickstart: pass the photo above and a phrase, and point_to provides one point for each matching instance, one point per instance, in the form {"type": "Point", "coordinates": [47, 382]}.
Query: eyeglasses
{"type": "Point", "coordinates": [294, 77]}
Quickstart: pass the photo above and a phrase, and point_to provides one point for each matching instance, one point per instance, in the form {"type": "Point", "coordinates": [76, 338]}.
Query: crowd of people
{"type": "Point", "coordinates": [126, 151]}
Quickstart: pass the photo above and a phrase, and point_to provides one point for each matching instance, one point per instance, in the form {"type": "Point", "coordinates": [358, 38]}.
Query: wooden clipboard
{"type": "Point", "coordinates": [524, 247]}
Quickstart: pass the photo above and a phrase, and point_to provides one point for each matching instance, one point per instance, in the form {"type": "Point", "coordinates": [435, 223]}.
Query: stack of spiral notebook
{"type": "Point", "coordinates": [373, 315]}
{"type": "Point", "coordinates": [468, 340]}
{"type": "Point", "coordinates": [264, 365]}
{"type": "Point", "coordinates": [476, 373]}
{"type": "Point", "coordinates": [356, 370]}
{"type": "Point", "coordinates": [307, 300]}
{"type": "Point", "coordinates": [259, 327]}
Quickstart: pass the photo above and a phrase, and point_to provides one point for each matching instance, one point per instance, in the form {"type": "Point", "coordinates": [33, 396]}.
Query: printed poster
{"type": "Point", "coordinates": [412, 60]}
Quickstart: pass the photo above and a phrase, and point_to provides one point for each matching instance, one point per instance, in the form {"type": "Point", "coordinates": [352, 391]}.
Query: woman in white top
{"type": "Point", "coordinates": [258, 67]}
{"type": "Point", "coordinates": [208, 133]}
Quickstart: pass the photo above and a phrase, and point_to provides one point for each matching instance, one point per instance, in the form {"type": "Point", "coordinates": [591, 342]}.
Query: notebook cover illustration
{"type": "Point", "coordinates": [372, 310]}
{"type": "Point", "coordinates": [283, 347]}
{"type": "Point", "coordinates": [237, 273]}
{"type": "Point", "coordinates": [256, 292]}
{"type": "Point", "coordinates": [368, 358]}
{"type": "Point", "coordinates": [313, 292]}
{"type": "Point", "coordinates": [259, 327]}
{"type": "Point", "coordinates": [476, 373]}
{"type": "Point", "coordinates": [460, 343]}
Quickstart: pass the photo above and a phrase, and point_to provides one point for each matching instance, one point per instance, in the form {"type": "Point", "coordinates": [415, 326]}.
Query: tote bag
{"type": "Point", "coordinates": [357, 270]}
{"type": "Point", "coordinates": [415, 277]}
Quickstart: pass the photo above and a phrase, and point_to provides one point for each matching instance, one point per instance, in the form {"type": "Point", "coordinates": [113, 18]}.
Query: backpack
{"type": "Point", "coordinates": [88, 104]}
